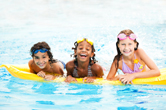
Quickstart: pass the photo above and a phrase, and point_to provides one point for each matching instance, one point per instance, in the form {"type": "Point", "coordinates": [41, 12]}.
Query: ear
{"type": "Point", "coordinates": [135, 44]}
{"type": "Point", "coordinates": [74, 52]}
{"type": "Point", "coordinates": [118, 45]}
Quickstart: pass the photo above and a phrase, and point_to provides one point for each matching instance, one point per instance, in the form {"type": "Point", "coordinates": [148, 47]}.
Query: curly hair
{"type": "Point", "coordinates": [41, 45]}
{"type": "Point", "coordinates": [91, 59]}
{"type": "Point", "coordinates": [117, 57]}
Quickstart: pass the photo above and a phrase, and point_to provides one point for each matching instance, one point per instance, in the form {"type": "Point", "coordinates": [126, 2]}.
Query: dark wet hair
{"type": "Point", "coordinates": [92, 59]}
{"type": "Point", "coordinates": [117, 57]}
{"type": "Point", "coordinates": [41, 45]}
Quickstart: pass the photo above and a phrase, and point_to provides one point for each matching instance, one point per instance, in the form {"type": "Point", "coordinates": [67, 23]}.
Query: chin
{"type": "Point", "coordinates": [83, 60]}
{"type": "Point", "coordinates": [41, 67]}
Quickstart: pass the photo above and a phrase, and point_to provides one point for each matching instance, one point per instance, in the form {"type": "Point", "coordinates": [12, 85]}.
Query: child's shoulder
{"type": "Point", "coordinates": [117, 57]}
{"type": "Point", "coordinates": [139, 51]}
{"type": "Point", "coordinates": [32, 66]}
{"type": "Point", "coordinates": [55, 64]}
{"type": "Point", "coordinates": [96, 66]}
{"type": "Point", "coordinates": [97, 69]}
{"type": "Point", "coordinates": [70, 64]}
{"type": "Point", "coordinates": [30, 63]}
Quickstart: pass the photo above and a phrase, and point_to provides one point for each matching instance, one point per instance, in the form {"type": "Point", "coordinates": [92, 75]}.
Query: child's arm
{"type": "Point", "coordinates": [57, 69]}
{"type": "Point", "coordinates": [30, 66]}
{"type": "Point", "coordinates": [154, 71]}
{"type": "Point", "coordinates": [69, 68]}
{"type": "Point", "coordinates": [97, 71]}
{"type": "Point", "coordinates": [112, 72]}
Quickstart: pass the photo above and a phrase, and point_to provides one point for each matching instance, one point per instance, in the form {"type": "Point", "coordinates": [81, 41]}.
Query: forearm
{"type": "Point", "coordinates": [113, 78]}
{"type": "Point", "coordinates": [146, 74]}
{"type": "Point", "coordinates": [60, 72]}
{"type": "Point", "coordinates": [69, 76]}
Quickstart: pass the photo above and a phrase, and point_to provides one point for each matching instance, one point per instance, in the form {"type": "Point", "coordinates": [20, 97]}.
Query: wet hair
{"type": "Point", "coordinates": [117, 57]}
{"type": "Point", "coordinates": [92, 59]}
{"type": "Point", "coordinates": [41, 45]}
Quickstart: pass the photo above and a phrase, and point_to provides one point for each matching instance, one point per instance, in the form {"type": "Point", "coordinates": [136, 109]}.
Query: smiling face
{"type": "Point", "coordinates": [127, 46]}
{"type": "Point", "coordinates": [41, 59]}
{"type": "Point", "coordinates": [84, 51]}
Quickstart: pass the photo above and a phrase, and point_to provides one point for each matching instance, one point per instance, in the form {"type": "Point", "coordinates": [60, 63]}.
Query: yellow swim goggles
{"type": "Point", "coordinates": [82, 39]}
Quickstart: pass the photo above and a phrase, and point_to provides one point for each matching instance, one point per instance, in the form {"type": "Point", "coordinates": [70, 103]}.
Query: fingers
{"type": "Point", "coordinates": [66, 80]}
{"type": "Point", "coordinates": [49, 77]}
{"type": "Point", "coordinates": [125, 81]}
{"type": "Point", "coordinates": [88, 80]}
{"type": "Point", "coordinates": [74, 79]}
{"type": "Point", "coordinates": [41, 74]}
{"type": "Point", "coordinates": [85, 78]}
{"type": "Point", "coordinates": [70, 79]}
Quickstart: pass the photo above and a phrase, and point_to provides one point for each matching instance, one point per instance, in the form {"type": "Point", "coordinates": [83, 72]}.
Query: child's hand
{"type": "Point", "coordinates": [126, 78]}
{"type": "Point", "coordinates": [41, 74]}
{"type": "Point", "coordinates": [49, 77]}
{"type": "Point", "coordinates": [70, 79]}
{"type": "Point", "coordinates": [88, 79]}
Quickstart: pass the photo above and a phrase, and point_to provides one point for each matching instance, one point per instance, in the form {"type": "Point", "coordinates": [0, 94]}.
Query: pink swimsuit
{"type": "Point", "coordinates": [126, 69]}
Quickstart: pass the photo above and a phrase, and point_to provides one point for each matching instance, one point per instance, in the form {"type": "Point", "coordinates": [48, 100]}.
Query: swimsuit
{"type": "Point", "coordinates": [75, 74]}
{"type": "Point", "coordinates": [64, 65]}
{"type": "Point", "coordinates": [137, 66]}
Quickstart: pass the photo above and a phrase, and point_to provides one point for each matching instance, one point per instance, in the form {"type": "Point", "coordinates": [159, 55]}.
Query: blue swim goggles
{"type": "Point", "coordinates": [43, 50]}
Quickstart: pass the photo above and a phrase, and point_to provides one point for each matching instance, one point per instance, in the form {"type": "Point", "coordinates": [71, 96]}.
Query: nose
{"type": "Point", "coordinates": [126, 46]}
{"type": "Point", "coordinates": [84, 49]}
{"type": "Point", "coordinates": [40, 60]}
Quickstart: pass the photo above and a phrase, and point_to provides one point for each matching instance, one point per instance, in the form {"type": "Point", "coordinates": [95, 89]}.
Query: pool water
{"type": "Point", "coordinates": [59, 23]}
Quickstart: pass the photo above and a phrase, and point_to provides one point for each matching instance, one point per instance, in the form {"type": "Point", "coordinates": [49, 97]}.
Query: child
{"type": "Point", "coordinates": [84, 65]}
{"type": "Point", "coordinates": [131, 60]}
{"type": "Point", "coordinates": [43, 62]}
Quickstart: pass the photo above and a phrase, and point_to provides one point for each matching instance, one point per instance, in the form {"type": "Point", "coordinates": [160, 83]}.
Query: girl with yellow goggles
{"type": "Point", "coordinates": [84, 65]}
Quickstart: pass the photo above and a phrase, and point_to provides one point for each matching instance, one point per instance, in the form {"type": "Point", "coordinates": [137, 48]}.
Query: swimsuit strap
{"type": "Point", "coordinates": [126, 69]}
{"type": "Point", "coordinates": [134, 56]}
{"type": "Point", "coordinates": [89, 71]}
{"type": "Point", "coordinates": [75, 74]}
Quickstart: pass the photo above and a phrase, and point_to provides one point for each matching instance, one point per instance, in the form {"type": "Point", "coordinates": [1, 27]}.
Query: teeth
{"type": "Point", "coordinates": [41, 64]}
{"type": "Point", "coordinates": [83, 55]}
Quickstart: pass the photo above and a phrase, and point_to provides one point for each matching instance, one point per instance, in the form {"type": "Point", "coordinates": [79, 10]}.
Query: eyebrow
{"type": "Point", "coordinates": [86, 45]}
{"type": "Point", "coordinates": [44, 54]}
{"type": "Point", "coordinates": [36, 56]}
